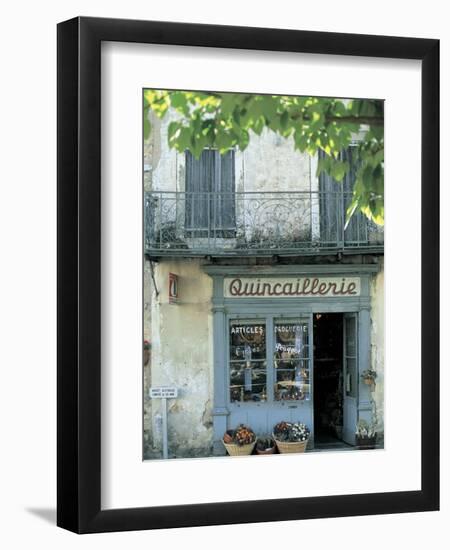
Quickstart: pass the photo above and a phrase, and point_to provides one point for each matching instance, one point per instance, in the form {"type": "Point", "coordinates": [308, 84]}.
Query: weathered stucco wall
{"type": "Point", "coordinates": [181, 336]}
{"type": "Point", "coordinates": [377, 346]}
{"type": "Point", "coordinates": [270, 163]}
{"type": "Point", "coordinates": [147, 368]}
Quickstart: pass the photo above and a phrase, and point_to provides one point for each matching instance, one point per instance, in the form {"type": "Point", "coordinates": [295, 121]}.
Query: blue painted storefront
{"type": "Point", "coordinates": [273, 313]}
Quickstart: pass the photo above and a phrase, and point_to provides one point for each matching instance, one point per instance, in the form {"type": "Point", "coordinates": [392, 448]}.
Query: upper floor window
{"type": "Point", "coordinates": [210, 194]}
{"type": "Point", "coordinates": [334, 199]}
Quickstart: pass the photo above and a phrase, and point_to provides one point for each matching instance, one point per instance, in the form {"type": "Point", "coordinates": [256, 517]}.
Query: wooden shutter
{"type": "Point", "coordinates": [335, 197]}
{"type": "Point", "coordinates": [224, 211]}
{"type": "Point", "coordinates": [199, 178]}
{"type": "Point", "coordinates": [210, 186]}
{"type": "Point", "coordinates": [330, 200]}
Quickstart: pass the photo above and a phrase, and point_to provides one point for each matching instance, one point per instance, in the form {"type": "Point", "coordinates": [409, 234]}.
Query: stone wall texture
{"type": "Point", "coordinates": [181, 337]}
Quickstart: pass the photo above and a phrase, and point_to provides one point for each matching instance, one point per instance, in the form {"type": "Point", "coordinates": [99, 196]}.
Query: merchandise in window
{"type": "Point", "coordinates": [291, 360]}
{"type": "Point", "coordinates": [248, 378]}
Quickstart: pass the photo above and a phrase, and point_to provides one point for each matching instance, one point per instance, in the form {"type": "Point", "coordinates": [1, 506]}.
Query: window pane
{"type": "Point", "coordinates": [291, 360]}
{"type": "Point", "coordinates": [247, 353]}
{"type": "Point", "coordinates": [247, 340]}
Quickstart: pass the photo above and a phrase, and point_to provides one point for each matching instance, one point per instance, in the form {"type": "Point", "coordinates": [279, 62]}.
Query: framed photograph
{"type": "Point", "coordinates": [248, 256]}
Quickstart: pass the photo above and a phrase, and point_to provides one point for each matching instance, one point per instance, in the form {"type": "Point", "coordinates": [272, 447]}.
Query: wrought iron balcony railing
{"type": "Point", "coordinates": [254, 223]}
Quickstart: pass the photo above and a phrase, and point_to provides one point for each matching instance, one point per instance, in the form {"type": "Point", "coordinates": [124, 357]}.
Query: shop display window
{"type": "Point", "coordinates": [291, 360]}
{"type": "Point", "coordinates": [283, 361]}
{"type": "Point", "coordinates": [248, 372]}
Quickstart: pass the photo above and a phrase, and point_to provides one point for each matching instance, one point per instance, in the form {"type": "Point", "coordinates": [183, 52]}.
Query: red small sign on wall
{"type": "Point", "coordinates": [173, 288]}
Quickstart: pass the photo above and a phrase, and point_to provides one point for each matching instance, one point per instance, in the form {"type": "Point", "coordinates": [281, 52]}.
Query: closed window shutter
{"type": "Point", "coordinates": [335, 197]}
{"type": "Point", "coordinates": [200, 174]}
{"type": "Point", "coordinates": [356, 230]}
{"type": "Point", "coordinates": [225, 209]}
{"type": "Point", "coordinates": [330, 208]}
{"type": "Point", "coordinates": [210, 187]}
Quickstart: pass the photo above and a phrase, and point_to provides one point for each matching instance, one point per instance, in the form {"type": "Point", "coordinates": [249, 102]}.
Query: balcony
{"type": "Point", "coordinates": [255, 224]}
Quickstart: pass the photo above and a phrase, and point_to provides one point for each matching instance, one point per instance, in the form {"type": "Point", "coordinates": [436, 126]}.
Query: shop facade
{"type": "Point", "coordinates": [251, 344]}
{"type": "Point", "coordinates": [279, 307]}
{"type": "Point", "coordinates": [264, 324]}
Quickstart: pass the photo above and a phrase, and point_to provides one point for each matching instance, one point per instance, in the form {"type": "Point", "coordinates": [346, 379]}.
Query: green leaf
{"type": "Point", "coordinates": [183, 139]}
{"type": "Point", "coordinates": [351, 210]}
{"type": "Point", "coordinates": [323, 165]}
{"type": "Point", "coordinates": [339, 169]}
{"type": "Point", "coordinates": [178, 101]}
{"type": "Point", "coordinates": [224, 141]}
{"type": "Point", "coordinates": [301, 141]}
{"type": "Point", "coordinates": [244, 140]}
{"type": "Point", "coordinates": [269, 108]}
{"type": "Point", "coordinates": [174, 128]}
{"type": "Point", "coordinates": [259, 125]}
{"type": "Point", "coordinates": [284, 119]}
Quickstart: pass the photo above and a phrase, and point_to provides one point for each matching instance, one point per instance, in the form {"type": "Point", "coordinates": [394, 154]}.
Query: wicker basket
{"type": "Point", "coordinates": [291, 446]}
{"type": "Point", "coordinates": [239, 450]}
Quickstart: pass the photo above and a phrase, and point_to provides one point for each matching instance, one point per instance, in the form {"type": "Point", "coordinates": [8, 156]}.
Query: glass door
{"type": "Point", "coordinates": [291, 359]}
{"type": "Point", "coordinates": [269, 371]}
{"type": "Point", "coordinates": [291, 364]}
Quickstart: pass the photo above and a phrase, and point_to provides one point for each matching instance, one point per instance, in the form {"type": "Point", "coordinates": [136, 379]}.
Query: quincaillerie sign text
{"type": "Point", "coordinates": [265, 287]}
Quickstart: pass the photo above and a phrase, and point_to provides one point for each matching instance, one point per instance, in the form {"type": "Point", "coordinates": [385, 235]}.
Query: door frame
{"type": "Point", "coordinates": [222, 307]}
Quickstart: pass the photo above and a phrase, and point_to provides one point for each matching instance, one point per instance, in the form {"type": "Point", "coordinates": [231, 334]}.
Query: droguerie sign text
{"type": "Point", "coordinates": [298, 287]}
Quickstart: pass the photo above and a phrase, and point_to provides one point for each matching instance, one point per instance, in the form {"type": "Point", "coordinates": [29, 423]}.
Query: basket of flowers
{"type": "Point", "coordinates": [239, 442]}
{"type": "Point", "coordinates": [369, 377]}
{"type": "Point", "coordinates": [291, 437]}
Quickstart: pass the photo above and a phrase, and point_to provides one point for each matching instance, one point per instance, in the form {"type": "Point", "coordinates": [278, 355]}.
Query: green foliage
{"type": "Point", "coordinates": [228, 120]}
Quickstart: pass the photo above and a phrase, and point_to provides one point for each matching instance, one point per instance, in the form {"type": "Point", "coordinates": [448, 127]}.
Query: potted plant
{"type": "Point", "coordinates": [366, 435]}
{"type": "Point", "coordinates": [265, 446]}
{"type": "Point", "coordinates": [291, 437]}
{"type": "Point", "coordinates": [239, 442]}
{"type": "Point", "coordinates": [369, 377]}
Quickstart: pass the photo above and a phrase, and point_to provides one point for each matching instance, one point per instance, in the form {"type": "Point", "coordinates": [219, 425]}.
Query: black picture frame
{"type": "Point", "coordinates": [79, 280]}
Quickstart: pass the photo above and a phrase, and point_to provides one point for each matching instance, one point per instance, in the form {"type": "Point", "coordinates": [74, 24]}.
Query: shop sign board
{"type": "Point", "coordinates": [292, 287]}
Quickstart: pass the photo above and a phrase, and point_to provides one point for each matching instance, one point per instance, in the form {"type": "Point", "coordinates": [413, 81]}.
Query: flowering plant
{"type": "Point", "coordinates": [364, 430]}
{"type": "Point", "coordinates": [242, 435]}
{"type": "Point", "coordinates": [368, 374]}
{"type": "Point", "coordinates": [291, 432]}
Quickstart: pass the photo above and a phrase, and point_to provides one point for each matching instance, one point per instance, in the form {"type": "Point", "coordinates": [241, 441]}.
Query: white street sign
{"type": "Point", "coordinates": [163, 392]}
